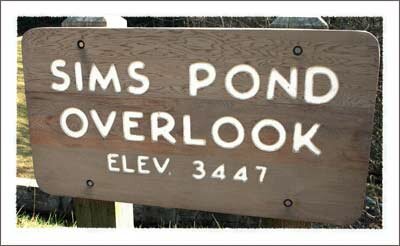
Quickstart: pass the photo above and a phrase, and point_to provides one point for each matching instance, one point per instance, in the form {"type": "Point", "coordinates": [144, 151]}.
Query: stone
{"type": "Point", "coordinates": [299, 22]}
{"type": "Point", "coordinates": [107, 21]}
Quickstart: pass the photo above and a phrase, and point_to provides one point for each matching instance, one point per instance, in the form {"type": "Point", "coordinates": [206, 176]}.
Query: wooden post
{"type": "Point", "coordinates": [124, 217]}
{"type": "Point", "coordinates": [93, 213]}
{"type": "Point", "coordinates": [96, 213]}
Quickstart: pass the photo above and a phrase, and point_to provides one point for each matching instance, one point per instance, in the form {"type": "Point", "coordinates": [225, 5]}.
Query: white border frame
{"type": "Point", "coordinates": [388, 235]}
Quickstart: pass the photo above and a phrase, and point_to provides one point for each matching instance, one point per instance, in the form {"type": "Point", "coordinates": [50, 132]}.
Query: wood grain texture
{"type": "Point", "coordinates": [94, 213]}
{"type": "Point", "coordinates": [326, 188]}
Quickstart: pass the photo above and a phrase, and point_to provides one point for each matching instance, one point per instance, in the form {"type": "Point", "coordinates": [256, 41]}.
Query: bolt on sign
{"type": "Point", "coordinates": [260, 122]}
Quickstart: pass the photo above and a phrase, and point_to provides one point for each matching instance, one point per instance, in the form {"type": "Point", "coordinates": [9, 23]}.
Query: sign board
{"type": "Point", "coordinates": [260, 122]}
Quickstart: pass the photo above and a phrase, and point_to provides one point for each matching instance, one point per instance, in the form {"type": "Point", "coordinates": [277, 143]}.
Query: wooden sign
{"type": "Point", "coordinates": [270, 123]}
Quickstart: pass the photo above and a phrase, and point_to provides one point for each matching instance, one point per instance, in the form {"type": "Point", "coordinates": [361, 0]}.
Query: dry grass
{"type": "Point", "coordinates": [38, 221]}
{"type": "Point", "coordinates": [24, 151]}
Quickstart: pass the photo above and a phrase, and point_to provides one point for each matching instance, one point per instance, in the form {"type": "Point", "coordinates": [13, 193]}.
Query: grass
{"type": "Point", "coordinates": [24, 151]}
{"type": "Point", "coordinates": [25, 220]}
{"type": "Point", "coordinates": [372, 212]}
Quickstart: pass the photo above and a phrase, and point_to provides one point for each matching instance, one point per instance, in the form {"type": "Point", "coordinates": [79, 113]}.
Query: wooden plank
{"type": "Point", "coordinates": [326, 188]}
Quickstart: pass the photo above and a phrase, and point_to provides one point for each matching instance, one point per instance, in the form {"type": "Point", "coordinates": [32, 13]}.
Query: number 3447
{"type": "Point", "coordinates": [219, 172]}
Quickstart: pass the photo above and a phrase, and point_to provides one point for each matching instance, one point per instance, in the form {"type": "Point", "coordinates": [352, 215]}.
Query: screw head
{"type": "Point", "coordinates": [81, 44]}
{"type": "Point", "coordinates": [287, 203]}
{"type": "Point", "coordinates": [89, 183]}
{"type": "Point", "coordinates": [297, 50]}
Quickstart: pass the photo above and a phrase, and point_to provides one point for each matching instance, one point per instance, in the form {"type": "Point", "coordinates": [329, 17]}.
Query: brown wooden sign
{"type": "Point", "coordinates": [271, 123]}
